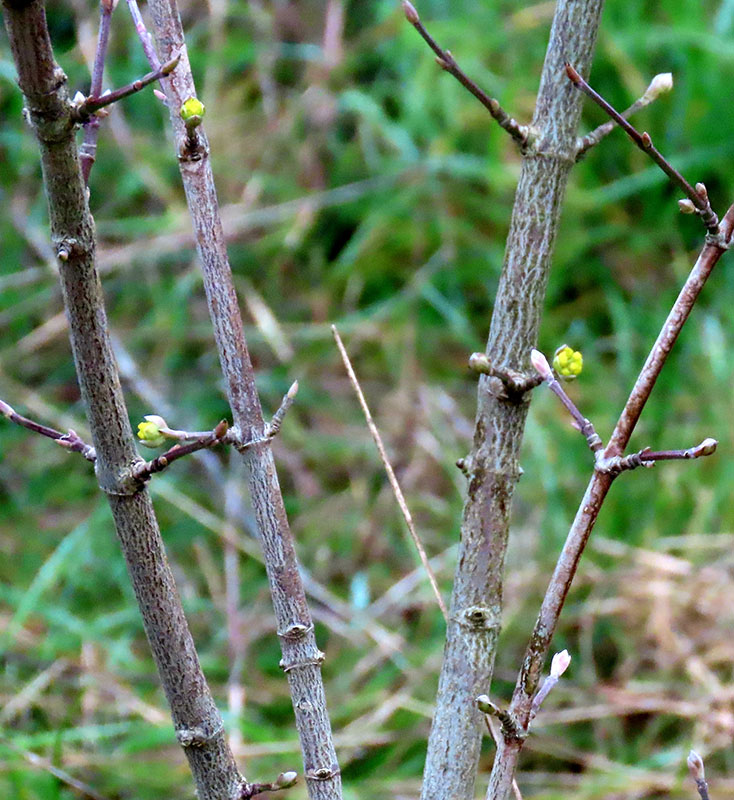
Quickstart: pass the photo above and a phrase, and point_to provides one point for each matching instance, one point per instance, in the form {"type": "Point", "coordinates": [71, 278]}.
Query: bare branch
{"type": "Point", "coordinates": [658, 85]}
{"type": "Point", "coordinates": [520, 133]}
{"type": "Point", "coordinates": [397, 491]}
{"type": "Point", "coordinates": [88, 148]}
{"type": "Point", "coordinates": [648, 457]}
{"type": "Point", "coordinates": [94, 103]}
{"type": "Point", "coordinates": [697, 196]}
{"type": "Point", "coordinates": [70, 441]}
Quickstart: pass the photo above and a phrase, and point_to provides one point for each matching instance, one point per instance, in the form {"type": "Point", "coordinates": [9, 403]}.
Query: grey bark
{"type": "Point", "coordinates": [195, 715]}
{"type": "Point", "coordinates": [476, 603]}
{"type": "Point", "coordinates": [301, 657]}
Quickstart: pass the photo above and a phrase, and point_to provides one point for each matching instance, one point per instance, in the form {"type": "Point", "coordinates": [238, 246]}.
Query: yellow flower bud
{"type": "Point", "coordinates": [192, 112]}
{"type": "Point", "coordinates": [567, 362]}
{"type": "Point", "coordinates": [150, 435]}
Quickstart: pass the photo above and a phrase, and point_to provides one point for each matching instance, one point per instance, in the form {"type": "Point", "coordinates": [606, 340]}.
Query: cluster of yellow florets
{"type": "Point", "coordinates": [568, 362]}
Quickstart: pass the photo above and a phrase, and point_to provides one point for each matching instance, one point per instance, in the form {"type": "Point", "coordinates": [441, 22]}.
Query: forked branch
{"type": "Point", "coordinates": [698, 195]}
{"type": "Point", "coordinates": [537, 650]}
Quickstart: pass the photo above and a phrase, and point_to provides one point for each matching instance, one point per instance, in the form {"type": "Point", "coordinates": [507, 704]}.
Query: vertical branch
{"type": "Point", "coordinates": [301, 657]}
{"type": "Point", "coordinates": [476, 604]}
{"type": "Point", "coordinates": [195, 716]}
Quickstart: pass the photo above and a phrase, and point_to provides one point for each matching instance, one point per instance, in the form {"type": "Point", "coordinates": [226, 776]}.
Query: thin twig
{"type": "Point", "coordinates": [70, 440]}
{"type": "Point", "coordinates": [390, 472]}
{"type": "Point", "coordinates": [88, 148]}
{"type": "Point", "coordinates": [658, 85]}
{"type": "Point", "coordinates": [273, 427]}
{"type": "Point", "coordinates": [697, 196]}
{"type": "Point", "coordinates": [520, 133]}
{"type": "Point", "coordinates": [515, 383]}
{"type": "Point", "coordinates": [84, 789]}
{"type": "Point", "coordinates": [145, 38]}
{"type": "Point", "coordinates": [94, 103]}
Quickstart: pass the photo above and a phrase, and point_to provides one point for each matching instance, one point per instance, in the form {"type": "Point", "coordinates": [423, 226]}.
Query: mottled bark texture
{"type": "Point", "coordinates": [195, 716]}
{"type": "Point", "coordinates": [476, 603]}
{"type": "Point", "coordinates": [301, 657]}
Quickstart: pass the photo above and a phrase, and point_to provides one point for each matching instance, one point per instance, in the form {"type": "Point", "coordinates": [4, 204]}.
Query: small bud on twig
{"type": "Point", "coordinates": [559, 663]}
{"type": "Point", "coordinates": [706, 448]}
{"type": "Point", "coordinates": [286, 779]}
{"type": "Point", "coordinates": [540, 362]}
{"type": "Point", "coordinates": [485, 705]}
{"type": "Point", "coordinates": [686, 206]}
{"type": "Point", "coordinates": [695, 766]}
{"type": "Point", "coordinates": [660, 84]}
{"type": "Point", "coordinates": [410, 13]}
{"type": "Point", "coordinates": [192, 113]}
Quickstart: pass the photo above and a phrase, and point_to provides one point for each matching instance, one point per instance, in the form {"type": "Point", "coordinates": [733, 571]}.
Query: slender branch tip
{"type": "Point", "coordinates": [410, 13]}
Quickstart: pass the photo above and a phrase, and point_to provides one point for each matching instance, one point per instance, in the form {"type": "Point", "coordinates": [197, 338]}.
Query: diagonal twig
{"type": "Point", "coordinates": [397, 491]}
{"type": "Point", "coordinates": [520, 133]}
{"type": "Point", "coordinates": [697, 196]}
{"type": "Point", "coordinates": [70, 440]}
{"type": "Point", "coordinates": [658, 85]}
{"type": "Point", "coordinates": [94, 103]}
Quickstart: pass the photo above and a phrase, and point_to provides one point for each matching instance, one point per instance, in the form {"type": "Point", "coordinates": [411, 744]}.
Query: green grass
{"type": "Point", "coordinates": [406, 262]}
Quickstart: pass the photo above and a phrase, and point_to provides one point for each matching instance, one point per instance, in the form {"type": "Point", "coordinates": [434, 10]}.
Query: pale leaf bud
{"type": "Point", "coordinates": [559, 663]}
{"type": "Point", "coordinates": [706, 448]}
{"type": "Point", "coordinates": [286, 779]}
{"type": "Point", "coordinates": [478, 362]}
{"type": "Point", "coordinates": [660, 84]}
{"type": "Point", "coordinates": [293, 391]}
{"type": "Point", "coordinates": [540, 362]}
{"type": "Point", "coordinates": [695, 766]}
{"type": "Point", "coordinates": [686, 206]}
{"type": "Point", "coordinates": [485, 705]}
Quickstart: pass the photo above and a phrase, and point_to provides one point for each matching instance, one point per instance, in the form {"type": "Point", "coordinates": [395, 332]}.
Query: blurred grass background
{"type": "Point", "coordinates": [362, 186]}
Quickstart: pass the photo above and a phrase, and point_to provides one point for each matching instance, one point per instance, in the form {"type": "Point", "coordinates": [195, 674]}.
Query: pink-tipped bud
{"type": "Point", "coordinates": [701, 189]}
{"type": "Point", "coordinates": [159, 94]}
{"type": "Point", "coordinates": [695, 766]}
{"type": "Point", "coordinates": [5, 409]}
{"type": "Point", "coordinates": [686, 206]}
{"type": "Point", "coordinates": [540, 362]}
{"type": "Point", "coordinates": [559, 663]}
{"type": "Point", "coordinates": [410, 13]}
{"type": "Point", "coordinates": [646, 140]}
